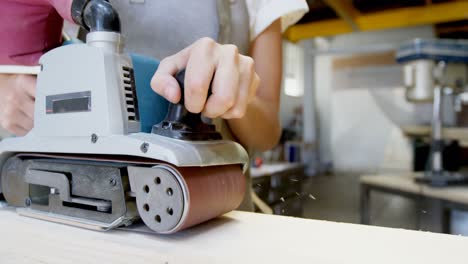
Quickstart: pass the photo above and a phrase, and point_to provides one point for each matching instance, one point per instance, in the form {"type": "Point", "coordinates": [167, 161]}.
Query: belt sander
{"type": "Point", "coordinates": [106, 151]}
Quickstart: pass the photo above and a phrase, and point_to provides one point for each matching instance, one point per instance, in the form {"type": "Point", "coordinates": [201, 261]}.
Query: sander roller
{"type": "Point", "coordinates": [106, 151]}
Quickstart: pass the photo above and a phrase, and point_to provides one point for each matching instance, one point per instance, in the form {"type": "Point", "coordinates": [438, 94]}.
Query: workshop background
{"type": "Point", "coordinates": [345, 116]}
{"type": "Point", "coordinates": [347, 121]}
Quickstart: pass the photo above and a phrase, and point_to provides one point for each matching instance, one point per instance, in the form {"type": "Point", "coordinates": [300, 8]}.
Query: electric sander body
{"type": "Point", "coordinates": [106, 151]}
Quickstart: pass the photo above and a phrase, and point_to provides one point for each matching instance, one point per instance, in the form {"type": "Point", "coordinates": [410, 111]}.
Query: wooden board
{"type": "Point", "coordinates": [237, 237]}
{"type": "Point", "coordinates": [406, 183]}
{"type": "Point", "coordinates": [364, 60]}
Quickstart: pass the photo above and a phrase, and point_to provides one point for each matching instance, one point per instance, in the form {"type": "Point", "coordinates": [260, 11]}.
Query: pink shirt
{"type": "Point", "coordinates": [29, 28]}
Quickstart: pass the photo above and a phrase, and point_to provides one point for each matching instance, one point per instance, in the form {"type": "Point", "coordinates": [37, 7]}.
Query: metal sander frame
{"type": "Point", "coordinates": [87, 164]}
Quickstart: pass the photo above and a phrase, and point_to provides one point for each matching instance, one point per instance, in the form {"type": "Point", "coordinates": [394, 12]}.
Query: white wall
{"type": "Point", "coordinates": [293, 66]}
{"type": "Point", "coordinates": [310, 115]}
{"type": "Point", "coordinates": [323, 95]}
{"type": "Point", "coordinates": [287, 106]}
{"type": "Point", "coordinates": [354, 133]}
{"type": "Point", "coordinates": [300, 64]}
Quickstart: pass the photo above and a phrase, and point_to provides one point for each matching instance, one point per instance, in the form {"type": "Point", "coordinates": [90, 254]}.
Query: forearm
{"type": "Point", "coordinates": [260, 127]}
{"type": "Point", "coordinates": [249, 105]}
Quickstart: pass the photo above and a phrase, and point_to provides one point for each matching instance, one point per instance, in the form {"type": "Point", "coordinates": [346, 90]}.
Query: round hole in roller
{"type": "Point", "coordinates": [169, 191]}
{"type": "Point", "coordinates": [159, 200]}
{"type": "Point", "coordinates": [157, 180]}
{"type": "Point", "coordinates": [146, 189]}
{"type": "Point", "coordinates": [146, 207]}
{"type": "Point", "coordinates": [170, 211]}
{"type": "Point", "coordinates": [157, 218]}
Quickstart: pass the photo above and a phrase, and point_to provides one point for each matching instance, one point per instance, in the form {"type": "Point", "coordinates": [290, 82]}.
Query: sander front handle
{"type": "Point", "coordinates": [182, 124]}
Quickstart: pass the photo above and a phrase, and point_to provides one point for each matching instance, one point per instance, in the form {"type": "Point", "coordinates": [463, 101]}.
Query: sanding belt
{"type": "Point", "coordinates": [212, 190]}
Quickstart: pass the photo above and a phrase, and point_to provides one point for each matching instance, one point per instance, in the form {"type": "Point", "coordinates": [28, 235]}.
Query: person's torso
{"type": "Point", "coordinates": [27, 30]}
{"type": "Point", "coordinates": [160, 28]}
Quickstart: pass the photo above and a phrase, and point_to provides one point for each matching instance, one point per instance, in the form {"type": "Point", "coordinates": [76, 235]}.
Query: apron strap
{"type": "Point", "coordinates": [224, 15]}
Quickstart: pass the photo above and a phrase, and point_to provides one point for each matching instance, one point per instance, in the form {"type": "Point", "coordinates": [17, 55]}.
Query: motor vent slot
{"type": "Point", "coordinates": [131, 101]}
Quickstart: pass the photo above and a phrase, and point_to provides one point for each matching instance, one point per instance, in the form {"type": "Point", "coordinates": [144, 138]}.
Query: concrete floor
{"type": "Point", "coordinates": [337, 199]}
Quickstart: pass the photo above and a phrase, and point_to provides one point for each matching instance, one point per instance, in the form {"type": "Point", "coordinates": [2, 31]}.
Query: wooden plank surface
{"type": "Point", "coordinates": [237, 237]}
{"type": "Point", "coordinates": [406, 182]}
{"type": "Point", "coordinates": [374, 59]}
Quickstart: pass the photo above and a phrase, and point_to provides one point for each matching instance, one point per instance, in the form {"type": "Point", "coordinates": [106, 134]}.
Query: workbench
{"type": "Point", "coordinates": [279, 186]}
{"type": "Point", "coordinates": [440, 200]}
{"type": "Point", "coordinates": [453, 133]}
{"type": "Point", "coordinates": [237, 237]}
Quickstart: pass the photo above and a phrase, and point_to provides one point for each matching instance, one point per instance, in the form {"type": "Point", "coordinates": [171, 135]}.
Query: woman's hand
{"type": "Point", "coordinates": [234, 86]}
{"type": "Point", "coordinates": [17, 95]}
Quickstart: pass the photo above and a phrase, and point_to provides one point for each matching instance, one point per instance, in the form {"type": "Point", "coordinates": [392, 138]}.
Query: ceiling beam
{"type": "Point", "coordinates": [316, 29]}
{"type": "Point", "coordinates": [345, 10]}
{"type": "Point", "coordinates": [393, 18]}
{"type": "Point", "coordinates": [452, 29]}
